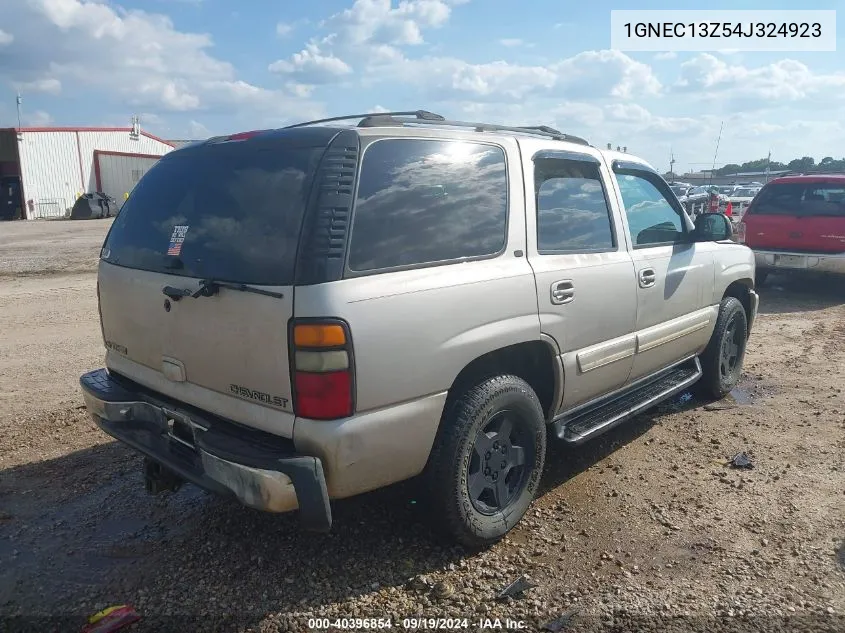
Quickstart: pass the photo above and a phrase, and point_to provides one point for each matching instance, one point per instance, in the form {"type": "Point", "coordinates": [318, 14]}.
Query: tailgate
{"type": "Point", "coordinates": [804, 216]}
{"type": "Point", "coordinates": [795, 233]}
{"type": "Point", "coordinates": [228, 212]}
{"type": "Point", "coordinates": [209, 352]}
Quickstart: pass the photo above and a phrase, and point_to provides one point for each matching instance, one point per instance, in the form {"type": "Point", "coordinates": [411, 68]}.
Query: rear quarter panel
{"type": "Point", "coordinates": [413, 331]}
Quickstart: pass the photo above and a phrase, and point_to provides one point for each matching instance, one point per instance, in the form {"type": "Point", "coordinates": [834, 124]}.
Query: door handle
{"type": "Point", "coordinates": [647, 277]}
{"type": "Point", "coordinates": [563, 292]}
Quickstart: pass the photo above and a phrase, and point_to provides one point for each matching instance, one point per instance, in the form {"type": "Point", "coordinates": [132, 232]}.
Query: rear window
{"type": "Point", "coordinates": [801, 199]}
{"type": "Point", "coordinates": [230, 212]}
{"type": "Point", "coordinates": [427, 201]}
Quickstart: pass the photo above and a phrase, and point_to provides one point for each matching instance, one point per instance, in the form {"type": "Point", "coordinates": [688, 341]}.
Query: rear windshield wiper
{"type": "Point", "coordinates": [210, 287]}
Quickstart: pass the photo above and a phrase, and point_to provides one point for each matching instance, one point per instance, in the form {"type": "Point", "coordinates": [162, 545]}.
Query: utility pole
{"type": "Point", "coordinates": [718, 140]}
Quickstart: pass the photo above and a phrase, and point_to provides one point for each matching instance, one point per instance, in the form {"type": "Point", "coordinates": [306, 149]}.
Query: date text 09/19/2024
{"type": "Point", "coordinates": [415, 624]}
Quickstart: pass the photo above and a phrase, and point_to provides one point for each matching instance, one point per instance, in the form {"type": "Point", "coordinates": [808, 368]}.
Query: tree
{"type": "Point", "coordinates": [803, 163]}
{"type": "Point", "coordinates": [730, 168]}
{"type": "Point", "coordinates": [826, 160]}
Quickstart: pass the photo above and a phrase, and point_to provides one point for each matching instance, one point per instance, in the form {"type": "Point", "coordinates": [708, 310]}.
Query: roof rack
{"type": "Point", "coordinates": [538, 130]}
{"type": "Point", "coordinates": [812, 172]}
{"type": "Point", "coordinates": [424, 117]}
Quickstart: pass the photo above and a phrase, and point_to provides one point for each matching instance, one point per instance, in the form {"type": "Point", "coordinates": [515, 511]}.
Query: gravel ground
{"type": "Point", "coordinates": [646, 528]}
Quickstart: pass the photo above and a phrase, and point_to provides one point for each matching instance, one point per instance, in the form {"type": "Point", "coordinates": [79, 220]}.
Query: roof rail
{"type": "Point", "coordinates": [423, 115]}
{"type": "Point", "coordinates": [540, 130]}
{"type": "Point", "coordinates": [812, 172]}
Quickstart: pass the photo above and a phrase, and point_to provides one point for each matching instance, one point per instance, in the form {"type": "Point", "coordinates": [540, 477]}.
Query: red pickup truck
{"type": "Point", "coordinates": [797, 223]}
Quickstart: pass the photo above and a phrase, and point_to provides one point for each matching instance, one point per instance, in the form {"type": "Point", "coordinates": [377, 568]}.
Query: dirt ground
{"type": "Point", "coordinates": [645, 528]}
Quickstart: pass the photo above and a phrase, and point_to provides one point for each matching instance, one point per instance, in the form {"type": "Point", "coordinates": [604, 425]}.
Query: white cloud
{"type": "Point", "coordinates": [316, 66]}
{"type": "Point", "coordinates": [133, 57]}
{"type": "Point", "coordinates": [39, 118]}
{"type": "Point", "coordinates": [300, 90]}
{"type": "Point", "coordinates": [378, 22]}
{"type": "Point", "coordinates": [283, 29]}
{"type": "Point", "coordinates": [197, 130]}
{"type": "Point", "coordinates": [47, 85]}
{"type": "Point", "coordinates": [665, 56]}
{"type": "Point", "coordinates": [6, 38]}
{"type": "Point", "coordinates": [368, 40]}
{"type": "Point", "coordinates": [511, 42]}
{"type": "Point", "coordinates": [150, 118]}
{"type": "Point", "coordinates": [780, 82]}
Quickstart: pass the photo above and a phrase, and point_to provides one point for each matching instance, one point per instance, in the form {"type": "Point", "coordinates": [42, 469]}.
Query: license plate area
{"type": "Point", "coordinates": [180, 429]}
{"type": "Point", "coordinates": [791, 261]}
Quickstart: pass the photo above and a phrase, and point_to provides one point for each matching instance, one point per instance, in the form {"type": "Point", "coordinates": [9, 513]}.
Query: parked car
{"type": "Point", "coordinates": [740, 199]}
{"type": "Point", "coordinates": [797, 224]}
{"type": "Point", "coordinates": [298, 315]}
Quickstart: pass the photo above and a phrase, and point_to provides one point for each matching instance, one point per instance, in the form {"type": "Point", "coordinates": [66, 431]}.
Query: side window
{"type": "Point", "coordinates": [572, 209]}
{"type": "Point", "coordinates": [652, 220]}
{"type": "Point", "coordinates": [427, 201]}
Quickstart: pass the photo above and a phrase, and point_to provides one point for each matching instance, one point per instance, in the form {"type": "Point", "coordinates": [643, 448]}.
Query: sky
{"type": "Point", "coordinates": [195, 68]}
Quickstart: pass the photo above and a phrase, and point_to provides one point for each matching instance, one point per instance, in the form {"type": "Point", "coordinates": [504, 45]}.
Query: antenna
{"type": "Point", "coordinates": [672, 164]}
{"type": "Point", "coordinates": [135, 131]}
{"type": "Point", "coordinates": [20, 101]}
{"type": "Point", "coordinates": [718, 140]}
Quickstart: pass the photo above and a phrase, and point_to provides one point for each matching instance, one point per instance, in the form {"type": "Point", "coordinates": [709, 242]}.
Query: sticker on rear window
{"type": "Point", "coordinates": [177, 239]}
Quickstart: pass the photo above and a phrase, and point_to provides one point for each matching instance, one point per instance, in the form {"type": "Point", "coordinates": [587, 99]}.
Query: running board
{"type": "Point", "coordinates": [594, 419]}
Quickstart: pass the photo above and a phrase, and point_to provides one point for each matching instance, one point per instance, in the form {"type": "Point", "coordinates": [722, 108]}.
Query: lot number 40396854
{"type": "Point", "coordinates": [349, 624]}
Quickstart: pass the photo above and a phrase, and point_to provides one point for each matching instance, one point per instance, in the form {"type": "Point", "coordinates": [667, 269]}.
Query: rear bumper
{"type": "Point", "coordinates": [818, 262]}
{"type": "Point", "coordinates": [262, 471]}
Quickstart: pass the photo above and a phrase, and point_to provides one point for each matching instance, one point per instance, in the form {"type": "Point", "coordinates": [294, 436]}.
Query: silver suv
{"type": "Point", "coordinates": [309, 313]}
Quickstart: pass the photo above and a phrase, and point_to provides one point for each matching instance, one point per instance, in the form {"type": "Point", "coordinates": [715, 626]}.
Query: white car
{"type": "Point", "coordinates": [740, 199]}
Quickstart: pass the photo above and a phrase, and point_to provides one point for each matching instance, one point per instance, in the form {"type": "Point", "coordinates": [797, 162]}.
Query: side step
{"type": "Point", "coordinates": [596, 418]}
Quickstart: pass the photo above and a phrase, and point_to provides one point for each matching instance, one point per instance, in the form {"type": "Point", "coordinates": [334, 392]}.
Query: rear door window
{"type": "Point", "coordinates": [801, 199]}
{"type": "Point", "coordinates": [426, 201]}
{"type": "Point", "coordinates": [572, 211]}
{"type": "Point", "coordinates": [230, 212]}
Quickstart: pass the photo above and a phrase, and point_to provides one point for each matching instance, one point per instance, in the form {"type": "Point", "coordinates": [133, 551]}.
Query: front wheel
{"type": "Point", "coordinates": [487, 461]}
{"type": "Point", "coordinates": [721, 362]}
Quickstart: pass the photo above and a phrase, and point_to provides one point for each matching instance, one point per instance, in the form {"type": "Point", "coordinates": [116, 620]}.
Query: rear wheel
{"type": "Point", "coordinates": [721, 361]}
{"type": "Point", "coordinates": [487, 461]}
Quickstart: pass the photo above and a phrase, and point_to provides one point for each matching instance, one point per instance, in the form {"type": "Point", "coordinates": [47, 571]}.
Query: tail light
{"type": "Point", "coordinates": [740, 232]}
{"type": "Point", "coordinates": [323, 375]}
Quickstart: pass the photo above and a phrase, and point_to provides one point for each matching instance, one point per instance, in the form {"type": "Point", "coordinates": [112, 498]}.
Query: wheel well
{"type": "Point", "coordinates": [533, 361]}
{"type": "Point", "coordinates": [739, 289]}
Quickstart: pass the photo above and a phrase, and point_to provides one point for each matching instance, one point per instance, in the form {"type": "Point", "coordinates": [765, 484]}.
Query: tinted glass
{"type": "Point", "coordinates": [651, 219]}
{"type": "Point", "coordinates": [800, 199]}
{"type": "Point", "coordinates": [572, 212]}
{"type": "Point", "coordinates": [231, 212]}
{"type": "Point", "coordinates": [422, 201]}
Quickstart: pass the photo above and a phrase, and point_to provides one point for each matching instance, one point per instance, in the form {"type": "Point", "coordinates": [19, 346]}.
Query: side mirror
{"type": "Point", "coordinates": [713, 227]}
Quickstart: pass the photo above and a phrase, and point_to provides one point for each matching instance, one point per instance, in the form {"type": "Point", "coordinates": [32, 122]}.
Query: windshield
{"type": "Point", "coordinates": [801, 199]}
{"type": "Point", "coordinates": [230, 212]}
{"type": "Point", "coordinates": [745, 193]}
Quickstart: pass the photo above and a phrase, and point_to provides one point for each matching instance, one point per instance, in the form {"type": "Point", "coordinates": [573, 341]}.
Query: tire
{"type": "Point", "coordinates": [760, 277]}
{"type": "Point", "coordinates": [472, 506]}
{"type": "Point", "coordinates": [721, 361]}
